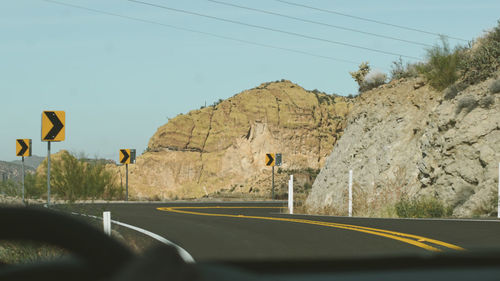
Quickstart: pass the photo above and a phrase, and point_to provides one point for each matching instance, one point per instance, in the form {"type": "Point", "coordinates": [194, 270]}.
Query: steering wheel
{"type": "Point", "coordinates": [100, 256]}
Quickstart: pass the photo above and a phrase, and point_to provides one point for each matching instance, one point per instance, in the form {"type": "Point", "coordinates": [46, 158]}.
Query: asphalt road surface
{"type": "Point", "coordinates": [249, 231]}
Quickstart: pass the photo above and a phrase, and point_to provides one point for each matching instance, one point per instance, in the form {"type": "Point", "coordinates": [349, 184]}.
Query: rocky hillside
{"type": "Point", "coordinates": [223, 147]}
{"type": "Point", "coordinates": [13, 171]}
{"type": "Point", "coordinates": [407, 140]}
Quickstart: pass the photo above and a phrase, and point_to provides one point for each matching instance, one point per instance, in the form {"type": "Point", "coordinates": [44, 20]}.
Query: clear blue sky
{"type": "Point", "coordinates": [119, 80]}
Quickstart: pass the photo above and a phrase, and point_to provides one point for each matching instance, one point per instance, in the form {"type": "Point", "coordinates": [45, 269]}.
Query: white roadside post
{"type": "Point", "coordinates": [350, 193]}
{"type": "Point", "coordinates": [290, 195]}
{"type": "Point", "coordinates": [106, 221]}
{"type": "Point", "coordinates": [498, 210]}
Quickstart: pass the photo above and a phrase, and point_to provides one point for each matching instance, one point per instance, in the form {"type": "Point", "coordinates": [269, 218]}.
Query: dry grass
{"type": "Point", "coordinates": [378, 201]}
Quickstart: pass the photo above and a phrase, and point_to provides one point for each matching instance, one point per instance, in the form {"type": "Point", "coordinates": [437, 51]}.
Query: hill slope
{"type": "Point", "coordinates": [406, 142]}
{"type": "Point", "coordinates": [223, 146]}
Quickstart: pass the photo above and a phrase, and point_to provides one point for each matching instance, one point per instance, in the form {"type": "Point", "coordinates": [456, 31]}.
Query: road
{"type": "Point", "coordinates": [248, 231]}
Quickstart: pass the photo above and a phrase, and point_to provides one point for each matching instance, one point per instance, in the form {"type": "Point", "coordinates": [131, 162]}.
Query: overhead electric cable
{"type": "Point", "coordinates": [273, 29]}
{"type": "Point", "coordinates": [201, 32]}
{"type": "Point", "coordinates": [369, 20]}
{"type": "Point", "coordinates": [320, 23]}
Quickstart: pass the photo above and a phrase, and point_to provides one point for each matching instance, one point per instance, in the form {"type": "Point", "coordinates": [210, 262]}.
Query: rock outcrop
{"type": "Point", "coordinates": [224, 146]}
{"type": "Point", "coordinates": [403, 140]}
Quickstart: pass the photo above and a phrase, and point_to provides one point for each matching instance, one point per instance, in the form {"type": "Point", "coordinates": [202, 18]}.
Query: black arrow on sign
{"type": "Point", "coordinates": [57, 125]}
{"type": "Point", "coordinates": [24, 147]}
{"type": "Point", "coordinates": [270, 159]}
{"type": "Point", "coordinates": [125, 155]}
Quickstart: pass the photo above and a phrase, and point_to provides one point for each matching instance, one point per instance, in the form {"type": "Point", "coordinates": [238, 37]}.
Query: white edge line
{"type": "Point", "coordinates": [182, 252]}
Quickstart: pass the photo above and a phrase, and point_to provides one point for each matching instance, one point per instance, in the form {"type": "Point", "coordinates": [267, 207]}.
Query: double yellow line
{"type": "Point", "coordinates": [415, 240]}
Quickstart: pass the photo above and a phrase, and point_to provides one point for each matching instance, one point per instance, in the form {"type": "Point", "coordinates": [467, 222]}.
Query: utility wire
{"type": "Point", "coordinates": [320, 23]}
{"type": "Point", "coordinates": [273, 29]}
{"type": "Point", "coordinates": [369, 20]}
{"type": "Point", "coordinates": [201, 32]}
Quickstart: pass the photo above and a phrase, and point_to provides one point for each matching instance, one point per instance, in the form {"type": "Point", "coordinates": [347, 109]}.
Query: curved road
{"type": "Point", "coordinates": [250, 230]}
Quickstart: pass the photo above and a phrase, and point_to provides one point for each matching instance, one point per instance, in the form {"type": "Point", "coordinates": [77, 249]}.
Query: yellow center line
{"type": "Point", "coordinates": [399, 236]}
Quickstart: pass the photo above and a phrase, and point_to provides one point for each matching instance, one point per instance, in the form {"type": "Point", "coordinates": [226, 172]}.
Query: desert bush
{"type": "Point", "coordinates": [400, 70]}
{"type": "Point", "coordinates": [495, 87]}
{"type": "Point", "coordinates": [359, 76]}
{"type": "Point", "coordinates": [427, 207]}
{"type": "Point", "coordinates": [487, 102]}
{"type": "Point", "coordinates": [73, 179]}
{"type": "Point", "coordinates": [441, 68]}
{"type": "Point", "coordinates": [467, 103]}
{"type": "Point", "coordinates": [452, 91]}
{"type": "Point", "coordinates": [483, 59]}
{"type": "Point", "coordinates": [10, 188]}
{"type": "Point", "coordinates": [373, 80]}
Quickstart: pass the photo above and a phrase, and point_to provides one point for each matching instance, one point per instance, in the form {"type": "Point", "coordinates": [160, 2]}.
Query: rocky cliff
{"type": "Point", "coordinates": [223, 147]}
{"type": "Point", "coordinates": [407, 140]}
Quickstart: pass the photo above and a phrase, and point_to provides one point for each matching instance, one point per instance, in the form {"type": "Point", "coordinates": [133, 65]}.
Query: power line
{"type": "Point", "coordinates": [369, 20]}
{"type": "Point", "coordinates": [321, 23]}
{"type": "Point", "coordinates": [273, 29]}
{"type": "Point", "coordinates": [201, 32]}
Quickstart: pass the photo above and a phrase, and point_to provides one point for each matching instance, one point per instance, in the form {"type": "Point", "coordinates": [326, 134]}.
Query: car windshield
{"type": "Point", "coordinates": [255, 130]}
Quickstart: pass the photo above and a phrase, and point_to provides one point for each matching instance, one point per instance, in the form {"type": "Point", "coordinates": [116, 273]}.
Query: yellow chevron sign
{"type": "Point", "coordinates": [125, 156]}
{"type": "Point", "coordinates": [270, 159]}
{"type": "Point", "coordinates": [53, 127]}
{"type": "Point", "coordinates": [23, 147]}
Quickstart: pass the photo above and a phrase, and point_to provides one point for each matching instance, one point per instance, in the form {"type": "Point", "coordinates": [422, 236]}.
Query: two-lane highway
{"type": "Point", "coordinates": [247, 231]}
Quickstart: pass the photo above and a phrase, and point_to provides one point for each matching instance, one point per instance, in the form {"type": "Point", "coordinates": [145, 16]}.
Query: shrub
{"type": "Point", "coordinates": [400, 70]}
{"type": "Point", "coordinates": [359, 76]}
{"type": "Point", "coordinates": [487, 102]}
{"type": "Point", "coordinates": [467, 103]}
{"type": "Point", "coordinates": [482, 61]}
{"type": "Point", "coordinates": [495, 87]}
{"type": "Point", "coordinates": [426, 207]}
{"type": "Point", "coordinates": [451, 92]}
{"type": "Point", "coordinates": [373, 80]}
{"type": "Point", "coordinates": [73, 179]}
{"type": "Point", "coordinates": [441, 69]}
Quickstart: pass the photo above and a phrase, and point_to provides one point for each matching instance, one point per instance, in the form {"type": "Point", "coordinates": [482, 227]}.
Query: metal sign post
{"type": "Point", "coordinates": [48, 173]}
{"type": "Point", "coordinates": [270, 161]}
{"type": "Point", "coordinates": [23, 149]}
{"type": "Point", "coordinates": [126, 182]}
{"type": "Point", "coordinates": [23, 178]}
{"type": "Point", "coordinates": [272, 192]}
{"type": "Point", "coordinates": [126, 156]}
{"type": "Point", "coordinates": [53, 129]}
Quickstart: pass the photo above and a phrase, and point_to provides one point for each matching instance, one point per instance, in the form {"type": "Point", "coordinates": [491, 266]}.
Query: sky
{"type": "Point", "coordinates": [119, 78]}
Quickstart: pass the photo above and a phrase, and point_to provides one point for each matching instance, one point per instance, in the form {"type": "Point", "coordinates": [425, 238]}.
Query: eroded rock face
{"type": "Point", "coordinates": [224, 147]}
{"type": "Point", "coordinates": [403, 140]}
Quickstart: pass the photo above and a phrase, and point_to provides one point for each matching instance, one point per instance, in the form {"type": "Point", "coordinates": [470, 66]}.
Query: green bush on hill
{"type": "Point", "coordinates": [441, 69]}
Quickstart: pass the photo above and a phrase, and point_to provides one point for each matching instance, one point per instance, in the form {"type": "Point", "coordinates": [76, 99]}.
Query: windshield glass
{"type": "Point", "coordinates": [256, 130]}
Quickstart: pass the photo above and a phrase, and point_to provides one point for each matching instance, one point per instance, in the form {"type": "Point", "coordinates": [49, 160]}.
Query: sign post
{"type": "Point", "coordinates": [273, 159]}
{"type": "Point", "coordinates": [53, 129]}
{"type": "Point", "coordinates": [23, 148]}
{"type": "Point", "coordinates": [270, 162]}
{"type": "Point", "coordinates": [127, 156]}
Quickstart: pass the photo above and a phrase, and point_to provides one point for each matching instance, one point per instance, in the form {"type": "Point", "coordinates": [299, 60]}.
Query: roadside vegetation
{"type": "Point", "coordinates": [425, 207]}
{"type": "Point", "coordinates": [72, 179]}
{"type": "Point", "coordinates": [444, 66]}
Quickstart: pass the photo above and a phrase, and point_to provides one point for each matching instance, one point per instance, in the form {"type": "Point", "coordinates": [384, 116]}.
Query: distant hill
{"type": "Point", "coordinates": [33, 161]}
{"type": "Point", "coordinates": [12, 171]}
